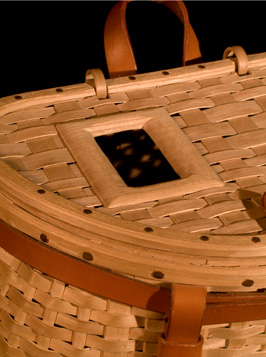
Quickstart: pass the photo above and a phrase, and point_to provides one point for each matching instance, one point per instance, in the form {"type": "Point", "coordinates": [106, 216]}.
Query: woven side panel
{"type": "Point", "coordinates": [236, 339]}
{"type": "Point", "coordinates": [41, 316]}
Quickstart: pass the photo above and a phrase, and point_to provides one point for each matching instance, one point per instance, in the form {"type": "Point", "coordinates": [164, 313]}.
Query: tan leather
{"type": "Point", "coordinates": [234, 307]}
{"type": "Point", "coordinates": [182, 337]}
{"type": "Point", "coordinates": [119, 54]}
{"type": "Point", "coordinates": [220, 308]}
{"type": "Point", "coordinates": [118, 49]}
{"type": "Point", "coordinates": [187, 310]}
{"type": "Point", "coordinates": [191, 46]}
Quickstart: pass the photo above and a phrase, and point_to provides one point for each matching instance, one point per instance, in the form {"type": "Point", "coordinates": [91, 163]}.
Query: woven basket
{"type": "Point", "coordinates": [89, 252]}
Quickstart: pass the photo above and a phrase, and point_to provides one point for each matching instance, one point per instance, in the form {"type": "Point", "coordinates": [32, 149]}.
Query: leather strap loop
{"type": "Point", "coordinates": [118, 49]}
{"type": "Point", "coordinates": [185, 321]}
{"type": "Point", "coordinates": [187, 310]}
{"type": "Point", "coordinates": [241, 59]}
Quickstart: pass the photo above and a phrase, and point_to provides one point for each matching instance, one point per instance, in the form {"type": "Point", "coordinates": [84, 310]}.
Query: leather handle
{"type": "Point", "coordinates": [118, 49]}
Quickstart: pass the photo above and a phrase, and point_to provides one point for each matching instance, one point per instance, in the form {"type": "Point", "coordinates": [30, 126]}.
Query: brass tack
{"type": "Point", "coordinates": [87, 211]}
{"type": "Point", "coordinates": [255, 239]}
{"type": "Point", "coordinates": [158, 275]}
{"type": "Point", "coordinates": [204, 238]}
{"type": "Point", "coordinates": [44, 238]}
{"type": "Point", "coordinates": [148, 229]}
{"type": "Point", "coordinates": [247, 282]}
{"type": "Point", "coordinates": [87, 256]}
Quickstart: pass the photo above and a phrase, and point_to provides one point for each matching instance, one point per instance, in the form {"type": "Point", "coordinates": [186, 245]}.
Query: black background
{"type": "Point", "coordinates": [52, 43]}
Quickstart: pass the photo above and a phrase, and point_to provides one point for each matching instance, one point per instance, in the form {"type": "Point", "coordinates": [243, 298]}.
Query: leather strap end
{"type": "Point", "coordinates": [170, 349]}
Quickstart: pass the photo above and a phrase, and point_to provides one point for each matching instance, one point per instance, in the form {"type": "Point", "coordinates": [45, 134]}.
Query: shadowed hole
{"type": "Point", "coordinates": [136, 158]}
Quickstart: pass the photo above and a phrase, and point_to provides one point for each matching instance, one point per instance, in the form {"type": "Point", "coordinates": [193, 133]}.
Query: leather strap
{"type": "Point", "coordinates": [183, 338]}
{"type": "Point", "coordinates": [264, 202]}
{"type": "Point", "coordinates": [82, 274]}
{"type": "Point", "coordinates": [220, 308]}
{"type": "Point", "coordinates": [187, 309]}
{"type": "Point", "coordinates": [118, 49]}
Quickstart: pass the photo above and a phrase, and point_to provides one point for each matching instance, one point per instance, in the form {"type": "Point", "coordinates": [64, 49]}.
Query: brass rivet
{"type": "Point", "coordinates": [247, 283]}
{"type": "Point", "coordinates": [87, 256]}
{"type": "Point", "coordinates": [157, 275]}
{"type": "Point", "coordinates": [255, 239]}
{"type": "Point", "coordinates": [204, 238]}
{"type": "Point", "coordinates": [148, 229]}
{"type": "Point", "coordinates": [44, 238]}
{"type": "Point", "coordinates": [87, 211]}
{"type": "Point", "coordinates": [41, 191]}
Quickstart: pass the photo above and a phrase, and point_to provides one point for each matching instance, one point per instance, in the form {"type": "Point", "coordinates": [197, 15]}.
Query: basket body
{"type": "Point", "coordinates": [205, 227]}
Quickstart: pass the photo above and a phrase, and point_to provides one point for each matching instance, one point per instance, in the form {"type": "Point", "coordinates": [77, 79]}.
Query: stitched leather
{"type": "Point", "coordinates": [118, 49]}
{"type": "Point", "coordinates": [220, 308]}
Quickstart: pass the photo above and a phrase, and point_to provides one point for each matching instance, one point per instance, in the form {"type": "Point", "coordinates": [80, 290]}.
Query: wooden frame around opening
{"type": "Point", "coordinates": [194, 171]}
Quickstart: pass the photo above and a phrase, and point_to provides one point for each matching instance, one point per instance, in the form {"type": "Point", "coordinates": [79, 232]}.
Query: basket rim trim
{"type": "Point", "coordinates": [220, 308]}
{"type": "Point", "coordinates": [147, 80]}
